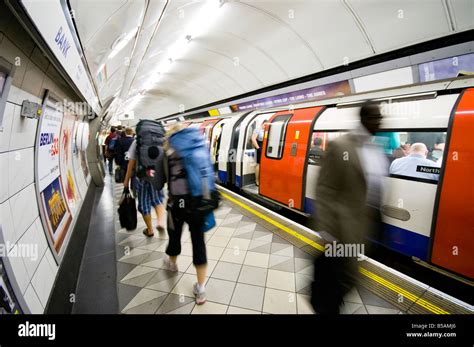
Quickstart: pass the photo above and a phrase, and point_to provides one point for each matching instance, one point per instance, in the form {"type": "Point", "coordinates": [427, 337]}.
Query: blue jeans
{"type": "Point", "coordinates": [111, 165]}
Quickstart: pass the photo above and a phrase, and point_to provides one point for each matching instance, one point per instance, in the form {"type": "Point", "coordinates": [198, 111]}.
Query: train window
{"type": "Point", "coordinates": [251, 129]}
{"type": "Point", "coordinates": [276, 136]}
{"type": "Point", "coordinates": [418, 156]}
{"type": "Point", "coordinates": [319, 144]}
{"type": "Point", "coordinates": [412, 155]}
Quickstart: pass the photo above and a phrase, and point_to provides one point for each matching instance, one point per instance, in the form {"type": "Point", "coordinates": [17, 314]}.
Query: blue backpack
{"type": "Point", "coordinates": [113, 143]}
{"type": "Point", "coordinates": [191, 148]}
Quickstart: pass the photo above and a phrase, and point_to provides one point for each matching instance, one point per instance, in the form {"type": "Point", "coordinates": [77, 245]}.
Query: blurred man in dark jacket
{"type": "Point", "coordinates": [348, 197]}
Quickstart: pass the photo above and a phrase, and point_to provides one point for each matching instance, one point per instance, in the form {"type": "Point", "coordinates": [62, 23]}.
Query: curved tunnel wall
{"type": "Point", "coordinates": [44, 174]}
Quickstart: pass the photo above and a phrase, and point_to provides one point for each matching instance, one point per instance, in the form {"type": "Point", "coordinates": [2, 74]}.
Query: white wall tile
{"type": "Point", "coordinates": [32, 301]}
{"type": "Point", "coordinates": [14, 95]}
{"type": "Point", "coordinates": [6, 221]}
{"type": "Point", "coordinates": [43, 280]}
{"type": "Point", "coordinates": [52, 263]}
{"type": "Point", "coordinates": [3, 177]}
{"type": "Point", "coordinates": [20, 169]}
{"type": "Point", "coordinates": [25, 95]}
{"type": "Point", "coordinates": [33, 80]}
{"type": "Point", "coordinates": [24, 209]}
{"type": "Point", "coordinates": [19, 269]}
{"type": "Point", "coordinates": [23, 131]}
{"type": "Point", "coordinates": [41, 230]}
{"type": "Point", "coordinates": [11, 53]}
{"type": "Point", "coordinates": [5, 134]}
{"type": "Point", "coordinates": [36, 239]}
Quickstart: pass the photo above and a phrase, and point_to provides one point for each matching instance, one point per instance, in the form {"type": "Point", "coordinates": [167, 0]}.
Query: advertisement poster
{"type": "Point", "coordinates": [76, 159]}
{"type": "Point", "coordinates": [84, 142]}
{"type": "Point", "coordinates": [48, 148]}
{"type": "Point", "coordinates": [309, 94]}
{"type": "Point", "coordinates": [446, 68]}
{"type": "Point", "coordinates": [65, 163]}
{"type": "Point", "coordinates": [55, 211]}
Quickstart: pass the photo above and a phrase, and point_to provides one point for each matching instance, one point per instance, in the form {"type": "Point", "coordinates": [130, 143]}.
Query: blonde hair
{"type": "Point", "coordinates": [174, 128]}
{"type": "Point", "coordinates": [128, 131]}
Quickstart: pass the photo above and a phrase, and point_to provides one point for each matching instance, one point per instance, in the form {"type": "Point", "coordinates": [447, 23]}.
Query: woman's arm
{"type": "Point", "coordinates": [130, 169]}
{"type": "Point", "coordinates": [254, 140]}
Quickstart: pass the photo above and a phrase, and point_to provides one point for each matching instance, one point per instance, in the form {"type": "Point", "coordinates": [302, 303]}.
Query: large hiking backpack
{"type": "Point", "coordinates": [191, 148]}
{"type": "Point", "coordinates": [176, 176]}
{"type": "Point", "coordinates": [150, 152]}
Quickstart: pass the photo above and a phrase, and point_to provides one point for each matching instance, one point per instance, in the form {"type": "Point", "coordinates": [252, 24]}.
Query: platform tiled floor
{"type": "Point", "coordinates": [251, 270]}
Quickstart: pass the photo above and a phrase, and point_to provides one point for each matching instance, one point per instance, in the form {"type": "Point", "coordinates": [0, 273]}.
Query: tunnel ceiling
{"type": "Point", "coordinates": [161, 57]}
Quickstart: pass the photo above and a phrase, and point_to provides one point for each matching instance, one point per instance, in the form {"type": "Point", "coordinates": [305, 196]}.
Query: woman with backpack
{"type": "Point", "coordinates": [187, 156]}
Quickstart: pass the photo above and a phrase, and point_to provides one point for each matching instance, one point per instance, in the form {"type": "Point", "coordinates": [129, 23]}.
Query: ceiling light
{"type": "Point", "coordinates": [121, 42]}
{"type": "Point", "coordinates": [101, 67]}
{"type": "Point", "coordinates": [200, 24]}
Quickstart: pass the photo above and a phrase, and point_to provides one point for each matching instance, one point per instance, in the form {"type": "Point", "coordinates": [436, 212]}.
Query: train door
{"type": "Point", "coordinates": [233, 147]}
{"type": "Point", "coordinates": [453, 239]}
{"type": "Point", "coordinates": [249, 156]}
{"type": "Point", "coordinates": [206, 128]}
{"type": "Point", "coordinates": [223, 148]}
{"type": "Point", "coordinates": [284, 152]}
{"type": "Point", "coordinates": [215, 140]}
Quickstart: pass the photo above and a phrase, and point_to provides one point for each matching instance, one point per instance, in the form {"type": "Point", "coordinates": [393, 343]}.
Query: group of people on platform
{"type": "Point", "coordinates": [120, 146]}
{"type": "Point", "coordinates": [348, 200]}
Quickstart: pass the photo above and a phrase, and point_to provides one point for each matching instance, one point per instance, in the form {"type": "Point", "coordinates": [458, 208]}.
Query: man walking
{"type": "Point", "coordinates": [348, 196]}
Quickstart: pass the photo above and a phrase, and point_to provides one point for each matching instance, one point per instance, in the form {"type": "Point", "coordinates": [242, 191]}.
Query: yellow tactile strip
{"type": "Point", "coordinates": [435, 299]}
{"type": "Point", "coordinates": [403, 294]}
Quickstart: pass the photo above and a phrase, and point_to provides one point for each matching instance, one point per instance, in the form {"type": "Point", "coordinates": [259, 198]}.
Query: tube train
{"type": "Point", "coordinates": [429, 217]}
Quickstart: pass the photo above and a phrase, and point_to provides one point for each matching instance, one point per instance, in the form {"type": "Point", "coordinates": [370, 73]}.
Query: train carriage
{"type": "Point", "coordinates": [427, 217]}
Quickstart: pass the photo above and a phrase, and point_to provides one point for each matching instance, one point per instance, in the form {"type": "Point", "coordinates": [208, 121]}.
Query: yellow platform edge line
{"type": "Point", "coordinates": [275, 223]}
{"type": "Point", "coordinates": [429, 306]}
{"type": "Point", "coordinates": [423, 303]}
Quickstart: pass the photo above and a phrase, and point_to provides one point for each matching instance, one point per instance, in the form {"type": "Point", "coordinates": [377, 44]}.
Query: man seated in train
{"type": "Point", "coordinates": [416, 164]}
{"type": "Point", "coordinates": [432, 141]}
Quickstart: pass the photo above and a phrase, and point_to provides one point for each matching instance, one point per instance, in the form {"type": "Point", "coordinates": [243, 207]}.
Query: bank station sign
{"type": "Point", "coordinates": [50, 20]}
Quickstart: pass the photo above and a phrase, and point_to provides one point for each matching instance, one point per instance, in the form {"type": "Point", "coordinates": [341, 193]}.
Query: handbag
{"type": "Point", "coordinates": [209, 222]}
{"type": "Point", "coordinates": [119, 174]}
{"type": "Point", "coordinates": [127, 211]}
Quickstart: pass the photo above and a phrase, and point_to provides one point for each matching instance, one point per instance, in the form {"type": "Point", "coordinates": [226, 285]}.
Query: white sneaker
{"type": "Point", "coordinates": [170, 266]}
{"type": "Point", "coordinates": [200, 294]}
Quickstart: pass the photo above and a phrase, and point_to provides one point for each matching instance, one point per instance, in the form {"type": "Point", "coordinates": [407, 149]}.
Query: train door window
{"type": "Point", "coordinates": [254, 124]}
{"type": "Point", "coordinates": [319, 144]}
{"type": "Point", "coordinates": [276, 136]}
{"type": "Point", "coordinates": [250, 129]}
